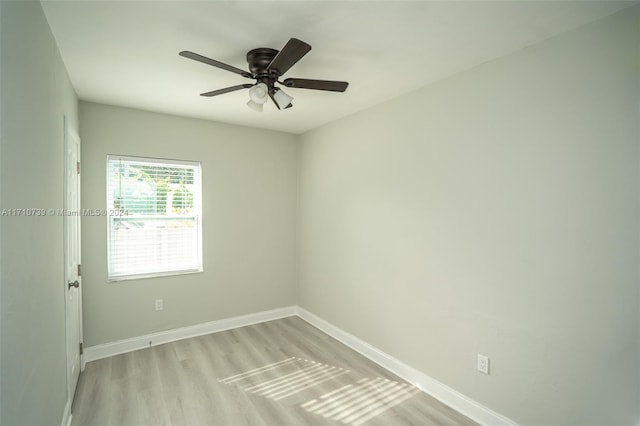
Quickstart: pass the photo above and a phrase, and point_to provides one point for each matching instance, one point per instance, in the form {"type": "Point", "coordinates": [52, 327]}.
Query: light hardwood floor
{"type": "Point", "coordinates": [283, 372]}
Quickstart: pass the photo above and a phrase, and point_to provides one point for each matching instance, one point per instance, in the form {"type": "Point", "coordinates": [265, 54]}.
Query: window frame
{"type": "Point", "coordinates": [112, 217]}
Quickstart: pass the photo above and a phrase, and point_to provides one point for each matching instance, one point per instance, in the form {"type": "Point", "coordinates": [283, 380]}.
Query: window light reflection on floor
{"type": "Point", "coordinates": [353, 403]}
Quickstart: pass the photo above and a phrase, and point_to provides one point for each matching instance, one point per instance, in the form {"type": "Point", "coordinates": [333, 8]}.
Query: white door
{"type": "Point", "coordinates": [72, 257]}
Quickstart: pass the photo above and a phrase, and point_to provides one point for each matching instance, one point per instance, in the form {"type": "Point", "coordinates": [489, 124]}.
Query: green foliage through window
{"type": "Point", "coordinates": [151, 189]}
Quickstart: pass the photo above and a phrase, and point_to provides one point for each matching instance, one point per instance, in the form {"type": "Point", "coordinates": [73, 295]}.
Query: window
{"type": "Point", "coordinates": [154, 217]}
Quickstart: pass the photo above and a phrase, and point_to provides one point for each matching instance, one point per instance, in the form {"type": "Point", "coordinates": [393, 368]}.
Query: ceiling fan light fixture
{"type": "Point", "coordinates": [254, 106]}
{"type": "Point", "coordinates": [266, 66]}
{"type": "Point", "coordinates": [281, 98]}
{"type": "Point", "coordinates": [259, 93]}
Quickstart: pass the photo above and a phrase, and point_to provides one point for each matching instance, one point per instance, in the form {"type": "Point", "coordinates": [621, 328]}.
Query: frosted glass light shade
{"type": "Point", "coordinates": [259, 93]}
{"type": "Point", "coordinates": [282, 99]}
{"type": "Point", "coordinates": [254, 106]}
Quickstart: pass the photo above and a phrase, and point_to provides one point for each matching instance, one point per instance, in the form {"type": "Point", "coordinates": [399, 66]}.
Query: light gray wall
{"type": "Point", "coordinates": [249, 200]}
{"type": "Point", "coordinates": [36, 94]}
{"type": "Point", "coordinates": [1, 204]}
{"type": "Point", "coordinates": [494, 212]}
{"type": "Point", "coordinates": [638, 236]}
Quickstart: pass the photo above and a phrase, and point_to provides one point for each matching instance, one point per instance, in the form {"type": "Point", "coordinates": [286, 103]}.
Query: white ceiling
{"type": "Point", "coordinates": [126, 52]}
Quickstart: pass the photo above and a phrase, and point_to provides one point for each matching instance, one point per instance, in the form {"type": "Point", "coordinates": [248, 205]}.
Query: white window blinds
{"type": "Point", "coordinates": [154, 217]}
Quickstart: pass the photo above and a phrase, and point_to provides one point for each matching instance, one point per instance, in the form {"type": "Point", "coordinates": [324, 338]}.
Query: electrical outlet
{"type": "Point", "coordinates": [159, 304]}
{"type": "Point", "coordinates": [483, 364]}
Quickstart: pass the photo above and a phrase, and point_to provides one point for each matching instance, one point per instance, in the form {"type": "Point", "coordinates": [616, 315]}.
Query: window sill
{"type": "Point", "coordinates": [153, 275]}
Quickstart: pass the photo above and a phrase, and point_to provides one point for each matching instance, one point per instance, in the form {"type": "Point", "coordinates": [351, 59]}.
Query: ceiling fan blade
{"type": "Point", "coordinates": [205, 60]}
{"type": "Point", "coordinates": [291, 53]}
{"type": "Point", "coordinates": [303, 83]}
{"type": "Point", "coordinates": [226, 90]}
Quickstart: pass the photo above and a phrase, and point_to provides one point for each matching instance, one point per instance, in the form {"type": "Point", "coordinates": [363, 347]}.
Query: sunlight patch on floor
{"type": "Point", "coordinates": [284, 378]}
{"type": "Point", "coordinates": [356, 403]}
{"type": "Point", "coordinates": [353, 404]}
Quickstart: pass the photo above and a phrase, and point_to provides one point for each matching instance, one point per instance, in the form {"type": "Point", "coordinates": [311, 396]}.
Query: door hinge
{"type": "Point", "coordinates": [79, 270]}
{"type": "Point", "coordinates": [78, 166]}
{"type": "Point", "coordinates": [81, 349]}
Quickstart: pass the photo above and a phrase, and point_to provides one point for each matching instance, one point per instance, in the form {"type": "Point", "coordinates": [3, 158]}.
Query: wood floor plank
{"type": "Point", "coordinates": [124, 402]}
{"type": "Point", "coordinates": [282, 372]}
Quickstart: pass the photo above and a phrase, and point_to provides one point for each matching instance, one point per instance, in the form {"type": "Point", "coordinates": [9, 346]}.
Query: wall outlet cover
{"type": "Point", "coordinates": [483, 364]}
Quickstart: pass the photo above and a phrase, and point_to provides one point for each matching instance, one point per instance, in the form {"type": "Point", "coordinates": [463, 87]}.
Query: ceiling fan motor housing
{"type": "Point", "coordinates": [259, 60]}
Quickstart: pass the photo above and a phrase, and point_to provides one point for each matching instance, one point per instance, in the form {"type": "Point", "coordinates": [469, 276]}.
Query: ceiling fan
{"type": "Point", "coordinates": [266, 66]}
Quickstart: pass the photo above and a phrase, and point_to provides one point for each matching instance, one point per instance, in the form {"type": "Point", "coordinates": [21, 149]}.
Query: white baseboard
{"type": "Point", "coordinates": [441, 392]}
{"type": "Point", "coordinates": [106, 350]}
{"type": "Point", "coordinates": [66, 415]}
